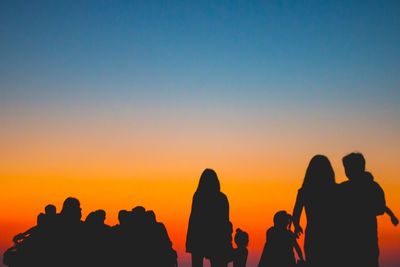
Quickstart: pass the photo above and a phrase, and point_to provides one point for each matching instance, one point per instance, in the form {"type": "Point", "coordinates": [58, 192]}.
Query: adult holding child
{"type": "Point", "coordinates": [317, 196]}
{"type": "Point", "coordinates": [209, 233]}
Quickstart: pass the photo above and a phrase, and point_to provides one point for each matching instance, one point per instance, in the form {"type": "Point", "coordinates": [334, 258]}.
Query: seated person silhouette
{"type": "Point", "coordinates": [280, 242]}
{"type": "Point", "coordinates": [44, 219]}
{"type": "Point", "coordinates": [240, 253]}
{"type": "Point", "coordinates": [388, 211]}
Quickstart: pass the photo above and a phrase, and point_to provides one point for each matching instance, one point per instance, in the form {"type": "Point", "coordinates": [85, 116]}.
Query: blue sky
{"type": "Point", "coordinates": [341, 54]}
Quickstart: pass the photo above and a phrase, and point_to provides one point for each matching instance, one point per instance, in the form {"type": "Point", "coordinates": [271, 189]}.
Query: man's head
{"type": "Point", "coordinates": [354, 165]}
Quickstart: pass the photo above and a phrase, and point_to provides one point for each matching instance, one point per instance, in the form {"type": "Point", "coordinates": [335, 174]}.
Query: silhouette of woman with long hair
{"type": "Point", "coordinates": [209, 233]}
{"type": "Point", "coordinates": [316, 196]}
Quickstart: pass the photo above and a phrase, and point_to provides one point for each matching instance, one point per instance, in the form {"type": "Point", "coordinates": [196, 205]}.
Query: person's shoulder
{"type": "Point", "coordinates": [271, 230]}
{"type": "Point", "coordinates": [375, 186]}
{"type": "Point", "coordinates": [223, 196]}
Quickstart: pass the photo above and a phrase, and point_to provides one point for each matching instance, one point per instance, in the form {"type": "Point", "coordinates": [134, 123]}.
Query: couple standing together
{"type": "Point", "coordinates": [341, 218]}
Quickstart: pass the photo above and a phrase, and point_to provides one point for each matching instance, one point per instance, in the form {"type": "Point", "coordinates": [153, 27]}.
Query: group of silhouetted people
{"type": "Point", "coordinates": [341, 228]}
{"type": "Point", "coordinates": [342, 225]}
{"type": "Point", "coordinates": [65, 240]}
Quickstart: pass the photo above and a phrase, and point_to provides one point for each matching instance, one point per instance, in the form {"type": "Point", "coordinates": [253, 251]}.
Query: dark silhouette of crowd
{"type": "Point", "coordinates": [342, 228]}
{"type": "Point", "coordinates": [65, 240]}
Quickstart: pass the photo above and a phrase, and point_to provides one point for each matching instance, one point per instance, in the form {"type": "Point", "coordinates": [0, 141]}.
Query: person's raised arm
{"type": "Point", "coordinates": [297, 210]}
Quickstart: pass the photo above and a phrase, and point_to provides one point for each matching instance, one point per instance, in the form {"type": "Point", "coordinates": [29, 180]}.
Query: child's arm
{"type": "Point", "coordinates": [393, 217]}
{"type": "Point", "coordinates": [298, 250]}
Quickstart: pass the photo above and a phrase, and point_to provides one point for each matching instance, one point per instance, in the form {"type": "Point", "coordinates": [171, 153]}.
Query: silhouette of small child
{"type": "Point", "coordinates": [388, 211]}
{"type": "Point", "coordinates": [241, 252]}
{"type": "Point", "coordinates": [280, 242]}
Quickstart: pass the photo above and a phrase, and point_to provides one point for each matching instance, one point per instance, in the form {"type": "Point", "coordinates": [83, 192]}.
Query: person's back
{"type": "Point", "coordinates": [209, 231]}
{"type": "Point", "coordinates": [362, 199]}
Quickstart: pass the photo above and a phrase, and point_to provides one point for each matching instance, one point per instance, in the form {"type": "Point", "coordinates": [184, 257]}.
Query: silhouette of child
{"type": "Point", "coordinates": [280, 242]}
{"type": "Point", "coordinates": [388, 211]}
{"type": "Point", "coordinates": [241, 252]}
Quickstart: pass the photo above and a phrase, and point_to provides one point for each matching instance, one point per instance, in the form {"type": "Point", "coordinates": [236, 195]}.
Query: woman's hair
{"type": "Point", "coordinates": [208, 183]}
{"type": "Point", "coordinates": [319, 173]}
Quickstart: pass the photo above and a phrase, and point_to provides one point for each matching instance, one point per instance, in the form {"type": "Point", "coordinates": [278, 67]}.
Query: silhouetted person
{"type": "Point", "coordinates": [96, 239]}
{"type": "Point", "coordinates": [44, 220]}
{"type": "Point", "coordinates": [317, 197]}
{"type": "Point", "coordinates": [69, 248]}
{"type": "Point", "coordinates": [209, 232]}
{"type": "Point", "coordinates": [159, 249]}
{"type": "Point", "coordinates": [279, 245]}
{"type": "Point", "coordinates": [240, 253]}
{"type": "Point", "coordinates": [362, 199]}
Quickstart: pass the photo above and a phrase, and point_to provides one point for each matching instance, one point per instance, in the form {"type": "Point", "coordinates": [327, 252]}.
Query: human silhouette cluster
{"type": "Point", "coordinates": [341, 228]}
{"type": "Point", "coordinates": [64, 240]}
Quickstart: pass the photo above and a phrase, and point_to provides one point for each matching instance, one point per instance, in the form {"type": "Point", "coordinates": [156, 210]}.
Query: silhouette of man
{"type": "Point", "coordinates": [361, 201]}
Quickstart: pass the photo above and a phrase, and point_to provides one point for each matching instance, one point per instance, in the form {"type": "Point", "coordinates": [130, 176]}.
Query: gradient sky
{"type": "Point", "coordinates": [126, 102]}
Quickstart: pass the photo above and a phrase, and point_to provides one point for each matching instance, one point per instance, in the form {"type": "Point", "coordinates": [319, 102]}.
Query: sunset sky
{"type": "Point", "coordinates": [124, 103]}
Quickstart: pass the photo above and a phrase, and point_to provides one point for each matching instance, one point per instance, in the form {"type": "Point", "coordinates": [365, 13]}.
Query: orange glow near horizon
{"type": "Point", "coordinates": [116, 166]}
{"type": "Point", "coordinates": [253, 201]}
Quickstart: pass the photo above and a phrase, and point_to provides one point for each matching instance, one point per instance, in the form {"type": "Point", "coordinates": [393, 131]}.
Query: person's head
{"type": "Point", "coordinates": [138, 211]}
{"type": "Point", "coordinates": [91, 218]}
{"type": "Point", "coordinates": [319, 173]}
{"type": "Point", "coordinates": [241, 238]}
{"type": "Point", "coordinates": [71, 209]}
{"type": "Point", "coordinates": [41, 219]}
{"type": "Point", "coordinates": [50, 210]}
{"type": "Point", "coordinates": [209, 182]}
{"type": "Point", "coordinates": [354, 165]}
{"type": "Point", "coordinates": [150, 217]}
{"type": "Point", "coordinates": [138, 215]}
{"type": "Point", "coordinates": [100, 216]}
{"type": "Point", "coordinates": [282, 219]}
{"type": "Point", "coordinates": [123, 217]}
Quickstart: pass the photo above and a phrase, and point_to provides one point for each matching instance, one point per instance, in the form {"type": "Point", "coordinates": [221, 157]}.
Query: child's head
{"type": "Point", "coordinates": [241, 238]}
{"type": "Point", "coordinates": [354, 165]}
{"type": "Point", "coordinates": [282, 219]}
{"type": "Point", "coordinates": [50, 210]}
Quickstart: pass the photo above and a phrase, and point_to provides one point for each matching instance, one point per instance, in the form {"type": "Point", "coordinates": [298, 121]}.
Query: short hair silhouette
{"type": "Point", "coordinates": [50, 209]}
{"type": "Point", "coordinates": [319, 173]}
{"type": "Point", "coordinates": [282, 219]}
{"type": "Point", "coordinates": [139, 210]}
{"type": "Point", "coordinates": [209, 182]}
{"type": "Point", "coordinates": [354, 164]}
{"type": "Point", "coordinates": [241, 238]}
{"type": "Point", "coordinates": [123, 217]}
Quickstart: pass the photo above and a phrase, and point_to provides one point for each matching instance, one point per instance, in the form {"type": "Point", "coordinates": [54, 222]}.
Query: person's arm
{"type": "Point", "coordinates": [297, 210]}
{"type": "Point", "coordinates": [379, 200]}
{"type": "Point", "coordinates": [298, 250]}
{"type": "Point", "coordinates": [393, 217]}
